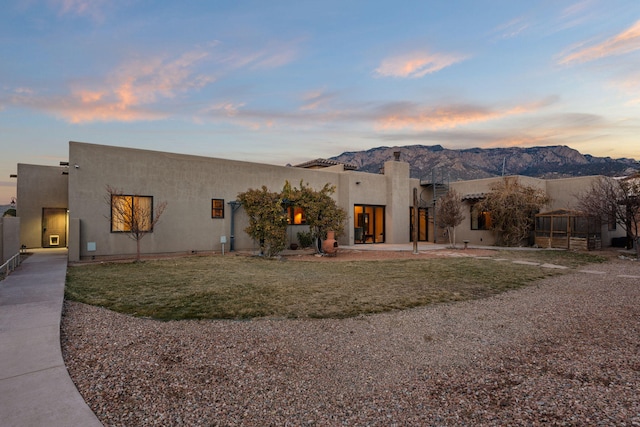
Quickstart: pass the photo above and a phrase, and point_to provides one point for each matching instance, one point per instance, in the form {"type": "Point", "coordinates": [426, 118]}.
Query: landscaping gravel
{"type": "Point", "coordinates": [563, 351]}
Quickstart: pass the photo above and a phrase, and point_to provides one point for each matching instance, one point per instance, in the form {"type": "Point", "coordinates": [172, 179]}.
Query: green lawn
{"type": "Point", "coordinates": [239, 287]}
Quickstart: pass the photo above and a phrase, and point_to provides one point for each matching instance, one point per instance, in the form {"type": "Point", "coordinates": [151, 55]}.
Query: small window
{"type": "Point", "coordinates": [131, 213]}
{"type": "Point", "coordinates": [217, 208]}
{"type": "Point", "coordinates": [295, 216]}
{"type": "Point", "coordinates": [480, 219]}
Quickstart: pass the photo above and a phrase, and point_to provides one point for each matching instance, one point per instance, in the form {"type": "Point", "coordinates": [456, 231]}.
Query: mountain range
{"type": "Point", "coordinates": [475, 163]}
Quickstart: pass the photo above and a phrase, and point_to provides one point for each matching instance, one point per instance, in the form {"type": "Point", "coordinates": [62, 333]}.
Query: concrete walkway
{"type": "Point", "coordinates": [35, 388]}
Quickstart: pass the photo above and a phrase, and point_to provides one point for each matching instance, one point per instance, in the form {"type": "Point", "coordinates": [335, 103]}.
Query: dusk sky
{"type": "Point", "coordinates": [289, 81]}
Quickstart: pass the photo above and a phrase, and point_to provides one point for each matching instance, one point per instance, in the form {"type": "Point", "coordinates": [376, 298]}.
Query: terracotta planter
{"type": "Point", "coordinates": [330, 245]}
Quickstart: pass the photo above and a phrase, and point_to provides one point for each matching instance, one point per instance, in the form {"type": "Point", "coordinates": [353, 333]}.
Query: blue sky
{"type": "Point", "coordinates": [288, 81]}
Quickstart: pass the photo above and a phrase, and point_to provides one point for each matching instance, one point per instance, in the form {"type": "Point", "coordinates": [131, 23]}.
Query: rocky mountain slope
{"type": "Point", "coordinates": [475, 163]}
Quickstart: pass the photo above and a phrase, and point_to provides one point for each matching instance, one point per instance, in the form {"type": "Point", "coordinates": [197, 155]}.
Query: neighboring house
{"type": "Point", "coordinates": [69, 205]}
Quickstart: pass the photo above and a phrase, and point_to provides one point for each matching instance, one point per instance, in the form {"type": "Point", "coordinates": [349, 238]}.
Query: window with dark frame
{"type": "Point", "coordinates": [295, 216]}
{"type": "Point", "coordinates": [369, 223]}
{"type": "Point", "coordinates": [480, 219]}
{"type": "Point", "coordinates": [131, 213]}
{"type": "Point", "coordinates": [217, 208]}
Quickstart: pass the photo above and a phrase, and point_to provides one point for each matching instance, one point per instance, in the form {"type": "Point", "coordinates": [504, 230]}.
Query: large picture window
{"type": "Point", "coordinates": [480, 219]}
{"type": "Point", "coordinates": [131, 213]}
{"type": "Point", "coordinates": [217, 208]}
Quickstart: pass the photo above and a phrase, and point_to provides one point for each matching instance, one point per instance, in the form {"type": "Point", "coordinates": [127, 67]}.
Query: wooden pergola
{"type": "Point", "coordinates": [567, 229]}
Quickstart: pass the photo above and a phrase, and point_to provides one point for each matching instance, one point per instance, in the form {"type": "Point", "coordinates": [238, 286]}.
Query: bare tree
{"type": "Point", "coordinates": [513, 207]}
{"type": "Point", "coordinates": [133, 215]}
{"type": "Point", "coordinates": [449, 214]}
{"type": "Point", "coordinates": [615, 201]}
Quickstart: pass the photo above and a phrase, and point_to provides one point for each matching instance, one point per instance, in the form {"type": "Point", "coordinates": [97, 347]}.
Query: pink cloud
{"type": "Point", "coordinates": [146, 80]}
{"type": "Point", "coordinates": [512, 28]}
{"type": "Point", "coordinates": [315, 100]}
{"type": "Point", "coordinates": [417, 64]}
{"type": "Point", "coordinates": [272, 56]}
{"type": "Point", "coordinates": [417, 118]}
{"type": "Point", "coordinates": [133, 91]}
{"type": "Point", "coordinates": [108, 112]}
{"type": "Point", "coordinates": [228, 109]}
{"type": "Point", "coordinates": [128, 93]}
{"type": "Point", "coordinates": [232, 112]}
{"type": "Point", "coordinates": [625, 42]}
{"type": "Point", "coordinates": [83, 107]}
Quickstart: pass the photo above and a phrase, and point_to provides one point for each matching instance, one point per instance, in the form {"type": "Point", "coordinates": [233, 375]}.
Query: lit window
{"type": "Point", "coordinates": [295, 216]}
{"type": "Point", "coordinates": [217, 208]}
{"type": "Point", "coordinates": [480, 219]}
{"type": "Point", "coordinates": [131, 213]}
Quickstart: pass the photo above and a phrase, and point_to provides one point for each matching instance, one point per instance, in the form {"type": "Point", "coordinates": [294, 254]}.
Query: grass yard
{"type": "Point", "coordinates": [240, 287]}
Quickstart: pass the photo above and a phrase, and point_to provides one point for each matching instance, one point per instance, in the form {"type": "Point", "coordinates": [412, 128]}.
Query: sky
{"type": "Point", "coordinates": [283, 82]}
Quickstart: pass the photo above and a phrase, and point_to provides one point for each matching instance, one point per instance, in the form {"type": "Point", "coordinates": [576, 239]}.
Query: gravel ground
{"type": "Point", "coordinates": [564, 351]}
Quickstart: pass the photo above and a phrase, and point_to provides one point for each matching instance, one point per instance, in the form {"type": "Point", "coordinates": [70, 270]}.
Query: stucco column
{"type": "Point", "coordinates": [398, 201]}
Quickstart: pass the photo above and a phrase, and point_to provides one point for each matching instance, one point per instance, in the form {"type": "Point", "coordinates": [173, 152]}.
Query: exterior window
{"type": "Point", "coordinates": [423, 224]}
{"type": "Point", "coordinates": [217, 208]}
{"type": "Point", "coordinates": [295, 216]}
{"type": "Point", "coordinates": [131, 213]}
{"type": "Point", "coordinates": [480, 220]}
{"type": "Point", "coordinates": [368, 223]}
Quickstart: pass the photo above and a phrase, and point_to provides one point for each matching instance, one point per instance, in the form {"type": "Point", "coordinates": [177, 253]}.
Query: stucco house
{"type": "Point", "coordinates": [68, 205]}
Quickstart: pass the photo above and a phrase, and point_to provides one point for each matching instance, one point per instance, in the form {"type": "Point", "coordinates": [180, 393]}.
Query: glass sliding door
{"type": "Point", "coordinates": [368, 223]}
{"type": "Point", "coordinates": [423, 225]}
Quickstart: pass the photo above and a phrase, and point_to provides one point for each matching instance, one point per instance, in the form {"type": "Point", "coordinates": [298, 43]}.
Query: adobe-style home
{"type": "Point", "coordinates": [69, 205]}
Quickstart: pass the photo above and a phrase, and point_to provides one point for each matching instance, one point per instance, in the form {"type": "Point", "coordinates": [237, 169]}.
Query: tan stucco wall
{"type": "Point", "coordinates": [564, 192]}
{"type": "Point", "coordinates": [9, 237]}
{"type": "Point", "coordinates": [188, 183]}
{"type": "Point", "coordinates": [399, 195]}
{"type": "Point", "coordinates": [38, 187]}
{"type": "Point", "coordinates": [73, 240]}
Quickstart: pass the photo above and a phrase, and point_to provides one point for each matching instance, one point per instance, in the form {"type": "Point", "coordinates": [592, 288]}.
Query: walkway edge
{"type": "Point", "coordinates": [35, 385]}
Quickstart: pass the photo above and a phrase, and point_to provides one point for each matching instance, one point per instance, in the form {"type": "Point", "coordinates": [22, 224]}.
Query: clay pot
{"type": "Point", "coordinates": [330, 245]}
